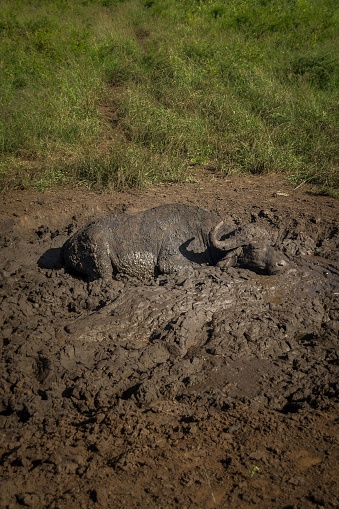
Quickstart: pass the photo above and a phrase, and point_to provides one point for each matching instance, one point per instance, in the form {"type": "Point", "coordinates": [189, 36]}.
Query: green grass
{"type": "Point", "coordinates": [112, 94]}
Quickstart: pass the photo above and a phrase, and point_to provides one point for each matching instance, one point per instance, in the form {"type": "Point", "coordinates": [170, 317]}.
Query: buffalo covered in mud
{"type": "Point", "coordinates": [168, 239]}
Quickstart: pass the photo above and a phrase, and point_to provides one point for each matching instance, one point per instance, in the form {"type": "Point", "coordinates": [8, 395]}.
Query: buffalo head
{"type": "Point", "coordinates": [247, 247]}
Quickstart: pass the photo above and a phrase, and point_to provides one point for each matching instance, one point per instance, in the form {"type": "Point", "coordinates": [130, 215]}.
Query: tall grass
{"type": "Point", "coordinates": [122, 93]}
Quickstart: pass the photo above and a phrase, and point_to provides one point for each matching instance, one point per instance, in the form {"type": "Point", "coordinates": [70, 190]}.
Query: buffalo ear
{"type": "Point", "coordinates": [230, 260]}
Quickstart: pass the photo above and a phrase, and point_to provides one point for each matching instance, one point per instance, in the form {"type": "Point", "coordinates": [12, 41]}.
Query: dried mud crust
{"type": "Point", "coordinates": [215, 390]}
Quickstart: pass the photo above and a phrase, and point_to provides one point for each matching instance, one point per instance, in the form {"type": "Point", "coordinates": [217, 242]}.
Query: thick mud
{"type": "Point", "coordinates": [214, 389]}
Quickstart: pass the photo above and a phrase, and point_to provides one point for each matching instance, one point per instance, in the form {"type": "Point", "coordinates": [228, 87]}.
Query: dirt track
{"type": "Point", "coordinates": [217, 390]}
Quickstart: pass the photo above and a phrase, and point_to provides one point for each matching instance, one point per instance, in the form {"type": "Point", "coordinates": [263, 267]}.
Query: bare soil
{"type": "Point", "coordinates": [219, 389]}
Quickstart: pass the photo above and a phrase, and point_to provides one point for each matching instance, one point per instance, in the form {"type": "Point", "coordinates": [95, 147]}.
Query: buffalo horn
{"type": "Point", "coordinates": [233, 240]}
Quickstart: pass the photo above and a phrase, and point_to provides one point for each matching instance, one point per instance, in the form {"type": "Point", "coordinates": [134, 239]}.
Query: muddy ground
{"type": "Point", "coordinates": [215, 390]}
